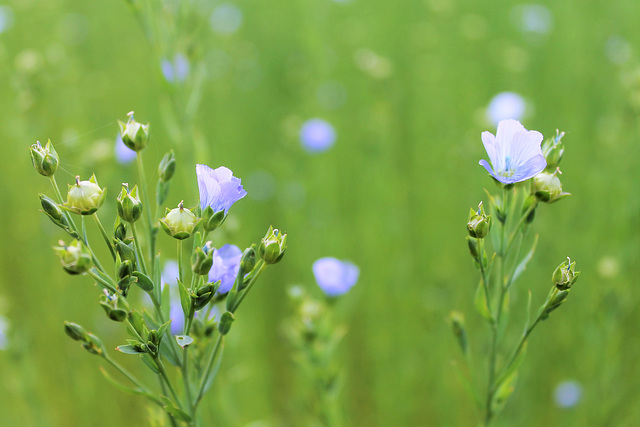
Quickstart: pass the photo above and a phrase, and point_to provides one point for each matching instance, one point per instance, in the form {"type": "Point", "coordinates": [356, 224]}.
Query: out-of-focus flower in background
{"type": "Point", "coordinates": [226, 263]}
{"type": "Point", "coordinates": [6, 18]}
{"type": "Point", "coordinates": [317, 135]}
{"type": "Point", "coordinates": [335, 277]}
{"type": "Point", "coordinates": [506, 105]}
{"type": "Point", "coordinates": [4, 329]}
{"type": "Point", "coordinates": [226, 18]}
{"type": "Point", "coordinates": [124, 154]}
{"type": "Point", "coordinates": [567, 394]}
{"type": "Point", "coordinates": [534, 19]}
{"type": "Point", "coordinates": [175, 71]}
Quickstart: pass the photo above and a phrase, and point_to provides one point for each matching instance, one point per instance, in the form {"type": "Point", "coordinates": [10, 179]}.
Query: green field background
{"type": "Point", "coordinates": [392, 195]}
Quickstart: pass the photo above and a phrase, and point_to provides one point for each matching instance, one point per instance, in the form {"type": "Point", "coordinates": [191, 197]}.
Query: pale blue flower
{"type": "Point", "coordinates": [6, 18]}
{"type": "Point", "coordinates": [506, 105]}
{"type": "Point", "coordinates": [335, 277]}
{"type": "Point", "coordinates": [176, 70]}
{"type": "Point", "coordinates": [226, 263]}
{"type": "Point", "coordinates": [514, 152]}
{"type": "Point", "coordinates": [568, 394]}
{"type": "Point", "coordinates": [124, 154]}
{"type": "Point", "coordinates": [218, 188]}
{"type": "Point", "coordinates": [317, 135]}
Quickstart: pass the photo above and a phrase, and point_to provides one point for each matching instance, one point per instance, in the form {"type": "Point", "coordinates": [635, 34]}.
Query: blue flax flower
{"type": "Point", "coordinates": [226, 263]}
{"type": "Point", "coordinates": [335, 277]}
{"type": "Point", "coordinates": [514, 152]}
{"type": "Point", "coordinates": [218, 188]}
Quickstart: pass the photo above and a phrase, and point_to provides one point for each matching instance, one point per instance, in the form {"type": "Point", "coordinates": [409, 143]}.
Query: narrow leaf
{"type": "Point", "coordinates": [168, 352]}
{"type": "Point", "coordinates": [214, 370]}
{"type": "Point", "coordinates": [149, 320]}
{"type": "Point", "coordinates": [170, 408]}
{"type": "Point", "coordinates": [523, 264]}
{"type": "Point", "coordinates": [503, 392]}
{"type": "Point", "coordinates": [185, 299]}
{"type": "Point", "coordinates": [148, 360]}
{"type": "Point", "coordinates": [481, 303]}
{"type": "Point", "coordinates": [126, 389]}
{"type": "Point", "coordinates": [128, 349]}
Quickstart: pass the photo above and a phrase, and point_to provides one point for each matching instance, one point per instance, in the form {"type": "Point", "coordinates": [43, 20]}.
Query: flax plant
{"type": "Point", "coordinates": [185, 361]}
{"type": "Point", "coordinates": [500, 245]}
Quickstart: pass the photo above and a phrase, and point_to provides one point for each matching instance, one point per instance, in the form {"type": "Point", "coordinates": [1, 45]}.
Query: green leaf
{"type": "Point", "coordinates": [214, 370]}
{"type": "Point", "coordinates": [165, 303]}
{"type": "Point", "coordinates": [481, 303]}
{"type": "Point", "coordinates": [170, 408]}
{"type": "Point", "coordinates": [151, 364]}
{"type": "Point", "coordinates": [157, 276]}
{"type": "Point", "coordinates": [511, 370]}
{"type": "Point", "coordinates": [184, 340]}
{"type": "Point", "coordinates": [149, 320]}
{"type": "Point", "coordinates": [468, 385]}
{"type": "Point", "coordinates": [163, 329]}
{"type": "Point", "coordinates": [523, 264]}
{"type": "Point", "coordinates": [128, 349]}
{"type": "Point", "coordinates": [138, 324]}
{"type": "Point", "coordinates": [168, 352]}
{"type": "Point", "coordinates": [503, 392]}
{"type": "Point", "coordinates": [122, 387]}
{"type": "Point", "coordinates": [143, 281]}
{"type": "Point", "coordinates": [185, 300]}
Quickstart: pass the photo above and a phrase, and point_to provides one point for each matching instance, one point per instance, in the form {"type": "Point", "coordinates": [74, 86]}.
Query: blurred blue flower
{"type": "Point", "coordinates": [124, 154]}
{"type": "Point", "coordinates": [317, 135]}
{"type": "Point", "coordinates": [226, 263]}
{"type": "Point", "coordinates": [514, 152]}
{"type": "Point", "coordinates": [6, 18]}
{"type": "Point", "coordinates": [335, 277]}
{"type": "Point", "coordinates": [169, 277]}
{"type": "Point", "coordinates": [226, 18]}
{"type": "Point", "coordinates": [176, 71]}
{"type": "Point", "coordinates": [4, 329]}
{"type": "Point", "coordinates": [506, 105]}
{"type": "Point", "coordinates": [568, 394]}
{"type": "Point", "coordinates": [532, 18]}
{"type": "Point", "coordinates": [176, 315]}
{"type": "Point", "coordinates": [218, 188]}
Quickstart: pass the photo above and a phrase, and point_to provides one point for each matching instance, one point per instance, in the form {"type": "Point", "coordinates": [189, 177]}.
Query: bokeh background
{"type": "Point", "coordinates": [406, 89]}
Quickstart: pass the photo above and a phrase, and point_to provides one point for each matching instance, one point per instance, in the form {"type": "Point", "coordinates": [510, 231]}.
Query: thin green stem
{"type": "Point", "coordinates": [483, 272]}
{"type": "Point", "coordinates": [187, 382]}
{"type": "Point", "coordinates": [131, 378]}
{"type": "Point", "coordinates": [165, 377]}
{"type": "Point", "coordinates": [105, 236]}
{"type": "Point", "coordinates": [203, 381]}
{"type": "Point", "coordinates": [180, 260]}
{"type": "Point", "coordinates": [136, 242]}
{"type": "Point", "coordinates": [102, 281]}
{"type": "Point", "coordinates": [244, 293]}
{"type": "Point", "coordinates": [146, 202]}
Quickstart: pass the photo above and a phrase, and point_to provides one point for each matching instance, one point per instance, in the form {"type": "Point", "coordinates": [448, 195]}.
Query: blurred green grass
{"type": "Point", "coordinates": [392, 195]}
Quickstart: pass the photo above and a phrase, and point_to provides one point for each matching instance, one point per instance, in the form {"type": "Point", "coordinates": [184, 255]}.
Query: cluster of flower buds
{"type": "Point", "coordinates": [150, 345]}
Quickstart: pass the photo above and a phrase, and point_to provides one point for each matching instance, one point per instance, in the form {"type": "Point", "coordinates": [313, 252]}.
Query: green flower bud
{"type": "Point", "coordinates": [85, 197]}
{"type": "Point", "coordinates": [124, 269]}
{"type": "Point", "coordinates": [479, 223]}
{"type": "Point", "coordinates": [202, 260]}
{"type": "Point", "coordinates": [457, 323]}
{"type": "Point", "coordinates": [120, 230]}
{"type": "Point", "coordinates": [167, 167]}
{"type": "Point", "coordinates": [565, 275]}
{"type": "Point", "coordinates": [225, 323]}
{"type": "Point", "coordinates": [75, 331]}
{"type": "Point", "coordinates": [93, 345]}
{"type": "Point", "coordinates": [75, 258]}
{"type": "Point", "coordinates": [53, 211]}
{"type": "Point", "coordinates": [129, 204]}
{"type": "Point", "coordinates": [134, 135]}
{"type": "Point", "coordinates": [45, 160]}
{"type": "Point", "coordinates": [212, 220]}
{"type": "Point", "coordinates": [548, 188]}
{"type": "Point", "coordinates": [273, 246]}
{"type": "Point", "coordinates": [248, 260]}
{"type": "Point", "coordinates": [204, 295]}
{"type": "Point", "coordinates": [552, 150]}
{"type": "Point", "coordinates": [179, 223]}
{"type": "Point", "coordinates": [126, 251]}
{"type": "Point", "coordinates": [115, 306]}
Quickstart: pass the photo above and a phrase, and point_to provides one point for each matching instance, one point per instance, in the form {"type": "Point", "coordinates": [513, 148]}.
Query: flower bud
{"type": "Point", "coordinates": [85, 197]}
{"type": "Point", "coordinates": [565, 275]}
{"type": "Point", "coordinates": [548, 188]}
{"type": "Point", "coordinates": [457, 323]}
{"type": "Point", "coordinates": [50, 208]}
{"type": "Point", "coordinates": [93, 345]}
{"type": "Point", "coordinates": [120, 230]}
{"type": "Point", "coordinates": [529, 205]}
{"type": "Point", "coordinates": [479, 223]}
{"type": "Point", "coordinates": [129, 204]}
{"type": "Point", "coordinates": [115, 306]}
{"type": "Point", "coordinates": [273, 246]}
{"type": "Point", "coordinates": [203, 295]}
{"type": "Point", "coordinates": [134, 135]}
{"type": "Point", "coordinates": [75, 331]}
{"type": "Point", "coordinates": [75, 258]}
{"type": "Point", "coordinates": [225, 323]}
{"type": "Point", "coordinates": [45, 160]}
{"type": "Point", "coordinates": [552, 150]}
{"type": "Point", "coordinates": [126, 251]}
{"type": "Point", "coordinates": [202, 260]}
{"type": "Point", "coordinates": [248, 260]}
{"type": "Point", "coordinates": [167, 167]}
{"type": "Point", "coordinates": [179, 223]}
{"type": "Point", "coordinates": [212, 220]}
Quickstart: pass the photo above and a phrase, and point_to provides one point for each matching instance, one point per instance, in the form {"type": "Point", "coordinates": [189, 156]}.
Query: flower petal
{"type": "Point", "coordinates": [529, 169]}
